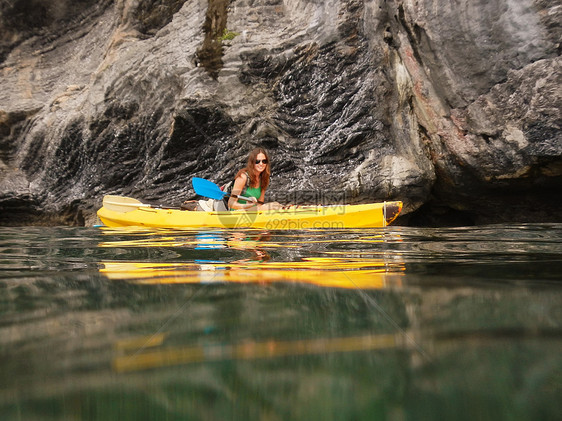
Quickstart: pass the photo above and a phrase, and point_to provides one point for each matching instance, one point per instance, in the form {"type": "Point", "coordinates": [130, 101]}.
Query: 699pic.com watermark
{"type": "Point", "coordinates": [295, 224]}
{"type": "Point", "coordinates": [335, 199]}
{"type": "Point", "coordinates": [295, 210]}
{"type": "Point", "coordinates": [306, 206]}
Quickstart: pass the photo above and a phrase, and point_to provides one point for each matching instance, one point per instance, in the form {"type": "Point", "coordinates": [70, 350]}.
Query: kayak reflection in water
{"type": "Point", "coordinates": [252, 182]}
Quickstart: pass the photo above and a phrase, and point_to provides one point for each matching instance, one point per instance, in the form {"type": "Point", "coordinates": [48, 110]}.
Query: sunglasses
{"type": "Point", "coordinates": [264, 161]}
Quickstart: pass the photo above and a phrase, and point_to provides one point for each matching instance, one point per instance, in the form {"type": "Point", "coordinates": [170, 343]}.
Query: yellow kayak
{"type": "Point", "coordinates": [118, 211]}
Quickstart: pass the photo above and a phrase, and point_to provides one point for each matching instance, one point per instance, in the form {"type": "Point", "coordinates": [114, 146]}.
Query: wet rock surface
{"type": "Point", "coordinates": [452, 108]}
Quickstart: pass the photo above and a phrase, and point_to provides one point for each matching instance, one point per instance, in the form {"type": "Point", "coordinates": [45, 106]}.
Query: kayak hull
{"type": "Point", "coordinates": [310, 217]}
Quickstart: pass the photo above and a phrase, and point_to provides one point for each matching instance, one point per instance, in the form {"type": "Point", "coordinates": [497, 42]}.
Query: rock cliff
{"type": "Point", "coordinates": [452, 107]}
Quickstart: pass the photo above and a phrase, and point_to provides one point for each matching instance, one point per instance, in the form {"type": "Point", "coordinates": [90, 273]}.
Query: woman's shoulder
{"type": "Point", "coordinates": [242, 174]}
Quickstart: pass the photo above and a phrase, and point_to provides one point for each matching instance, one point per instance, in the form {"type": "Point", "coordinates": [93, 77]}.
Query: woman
{"type": "Point", "coordinates": [252, 182]}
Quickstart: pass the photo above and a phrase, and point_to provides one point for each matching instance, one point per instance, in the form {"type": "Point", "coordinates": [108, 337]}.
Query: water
{"type": "Point", "coordinates": [394, 324]}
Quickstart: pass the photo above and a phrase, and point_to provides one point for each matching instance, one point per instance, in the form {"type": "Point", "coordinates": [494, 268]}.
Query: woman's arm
{"type": "Point", "coordinates": [237, 189]}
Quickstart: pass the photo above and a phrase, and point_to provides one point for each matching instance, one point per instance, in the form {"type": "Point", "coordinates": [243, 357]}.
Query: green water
{"type": "Point", "coordinates": [383, 324]}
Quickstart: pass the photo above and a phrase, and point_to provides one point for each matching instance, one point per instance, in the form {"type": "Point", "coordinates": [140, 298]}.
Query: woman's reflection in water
{"type": "Point", "coordinates": [251, 242]}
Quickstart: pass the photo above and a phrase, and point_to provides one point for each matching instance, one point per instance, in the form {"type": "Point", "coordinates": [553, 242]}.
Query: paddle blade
{"type": "Point", "coordinates": [207, 188]}
{"type": "Point", "coordinates": [121, 203]}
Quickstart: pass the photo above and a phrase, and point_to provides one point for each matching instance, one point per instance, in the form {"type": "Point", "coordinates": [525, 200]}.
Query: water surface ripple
{"type": "Point", "coordinates": [394, 323]}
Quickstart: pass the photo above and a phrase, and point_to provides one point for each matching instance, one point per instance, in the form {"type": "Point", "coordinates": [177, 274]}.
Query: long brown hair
{"type": "Point", "coordinates": [263, 181]}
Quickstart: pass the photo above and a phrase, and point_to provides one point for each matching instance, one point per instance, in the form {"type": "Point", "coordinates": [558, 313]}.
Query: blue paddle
{"type": "Point", "coordinates": [209, 189]}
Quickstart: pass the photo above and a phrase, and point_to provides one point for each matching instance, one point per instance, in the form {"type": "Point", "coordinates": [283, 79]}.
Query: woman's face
{"type": "Point", "coordinates": [261, 163]}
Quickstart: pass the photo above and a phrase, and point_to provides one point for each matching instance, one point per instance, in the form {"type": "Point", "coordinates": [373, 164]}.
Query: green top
{"type": "Point", "coordinates": [250, 192]}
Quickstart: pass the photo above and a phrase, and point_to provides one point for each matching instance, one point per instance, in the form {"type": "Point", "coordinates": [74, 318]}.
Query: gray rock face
{"type": "Point", "coordinates": [452, 107]}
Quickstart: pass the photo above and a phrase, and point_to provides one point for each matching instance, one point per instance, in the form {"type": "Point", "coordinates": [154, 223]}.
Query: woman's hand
{"type": "Point", "coordinates": [251, 203]}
